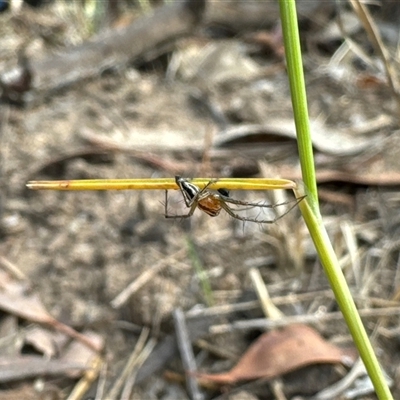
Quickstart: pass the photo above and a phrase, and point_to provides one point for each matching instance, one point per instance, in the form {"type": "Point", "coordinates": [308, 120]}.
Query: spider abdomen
{"type": "Point", "coordinates": [210, 205]}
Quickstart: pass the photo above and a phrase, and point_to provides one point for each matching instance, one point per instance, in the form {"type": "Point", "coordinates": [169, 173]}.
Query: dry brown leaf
{"type": "Point", "coordinates": [16, 299]}
{"type": "Point", "coordinates": [27, 306]}
{"type": "Point", "coordinates": [281, 351]}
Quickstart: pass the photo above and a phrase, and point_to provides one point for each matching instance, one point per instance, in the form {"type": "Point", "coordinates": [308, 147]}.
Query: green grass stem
{"type": "Point", "coordinates": [310, 207]}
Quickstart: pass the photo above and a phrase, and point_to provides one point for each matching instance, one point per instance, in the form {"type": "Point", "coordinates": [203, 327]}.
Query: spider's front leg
{"type": "Point", "coordinates": [193, 206]}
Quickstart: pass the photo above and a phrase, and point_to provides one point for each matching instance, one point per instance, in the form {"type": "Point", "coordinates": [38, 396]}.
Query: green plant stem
{"type": "Point", "coordinates": [344, 299]}
{"type": "Point", "coordinates": [310, 207]}
{"type": "Point", "coordinates": [299, 98]}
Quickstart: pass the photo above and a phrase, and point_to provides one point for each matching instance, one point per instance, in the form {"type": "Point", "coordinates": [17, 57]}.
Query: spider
{"type": "Point", "coordinates": [213, 203]}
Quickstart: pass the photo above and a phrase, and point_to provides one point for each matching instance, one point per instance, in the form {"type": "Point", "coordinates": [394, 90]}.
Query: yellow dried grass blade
{"type": "Point", "coordinates": [165, 184]}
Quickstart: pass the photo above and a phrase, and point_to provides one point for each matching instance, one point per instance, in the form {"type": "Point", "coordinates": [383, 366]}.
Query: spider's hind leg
{"type": "Point", "coordinates": [228, 199]}
{"type": "Point", "coordinates": [244, 219]}
{"type": "Point", "coordinates": [229, 210]}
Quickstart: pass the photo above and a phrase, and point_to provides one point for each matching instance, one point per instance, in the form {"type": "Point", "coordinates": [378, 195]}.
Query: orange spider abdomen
{"type": "Point", "coordinates": [210, 205]}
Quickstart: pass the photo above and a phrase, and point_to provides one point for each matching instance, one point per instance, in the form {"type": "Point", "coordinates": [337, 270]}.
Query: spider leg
{"type": "Point", "coordinates": [206, 186]}
{"type": "Point", "coordinates": [230, 200]}
{"type": "Point", "coordinates": [239, 217]}
{"type": "Point", "coordinates": [266, 221]}
{"type": "Point", "coordinates": [193, 206]}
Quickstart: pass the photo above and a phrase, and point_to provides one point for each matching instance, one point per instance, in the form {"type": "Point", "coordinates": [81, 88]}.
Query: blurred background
{"type": "Point", "coordinates": [139, 89]}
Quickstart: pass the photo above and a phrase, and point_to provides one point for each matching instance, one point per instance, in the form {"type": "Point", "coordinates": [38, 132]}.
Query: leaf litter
{"type": "Point", "coordinates": [281, 351]}
{"type": "Point", "coordinates": [79, 253]}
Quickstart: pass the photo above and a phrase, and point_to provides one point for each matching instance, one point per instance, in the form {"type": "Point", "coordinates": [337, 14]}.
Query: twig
{"type": "Point", "coordinates": [269, 308]}
{"type": "Point", "coordinates": [115, 390]}
{"type": "Point", "coordinates": [262, 323]}
{"type": "Point", "coordinates": [250, 305]}
{"type": "Point", "coordinates": [376, 41]}
{"type": "Point", "coordinates": [12, 269]}
{"type": "Point", "coordinates": [131, 379]}
{"type": "Point", "coordinates": [186, 351]}
{"type": "Point", "coordinates": [337, 389]}
{"type": "Point", "coordinates": [86, 381]}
